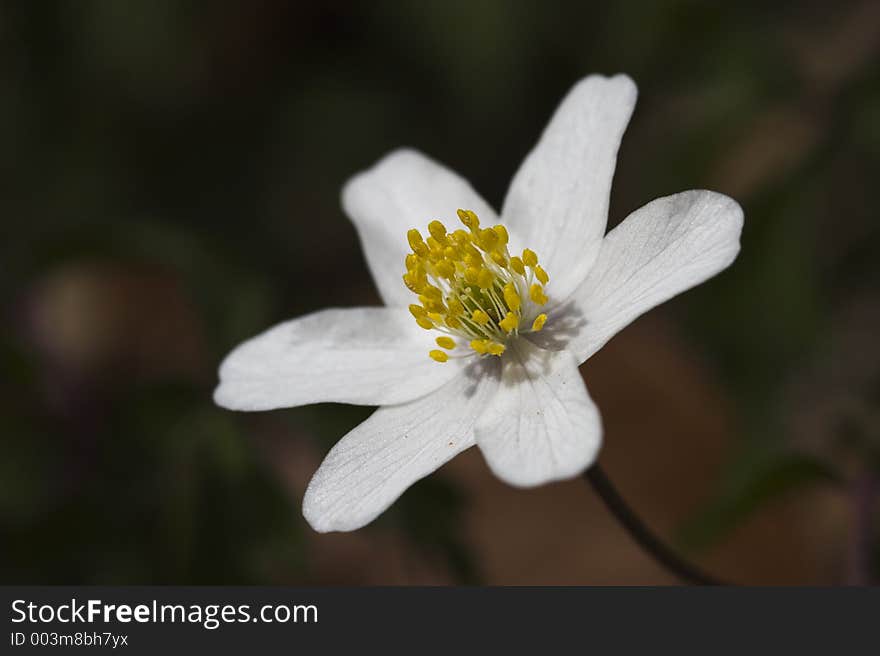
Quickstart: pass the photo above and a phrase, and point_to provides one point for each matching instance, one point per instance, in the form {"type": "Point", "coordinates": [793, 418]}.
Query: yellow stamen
{"type": "Point", "coordinates": [509, 323]}
{"type": "Point", "coordinates": [470, 286]}
{"type": "Point", "coordinates": [433, 293]}
{"type": "Point", "coordinates": [445, 268]}
{"type": "Point", "coordinates": [412, 283]}
{"type": "Point", "coordinates": [511, 297]}
{"type": "Point", "coordinates": [445, 342]}
{"type": "Point", "coordinates": [438, 231]}
{"type": "Point", "coordinates": [480, 345]}
{"type": "Point", "coordinates": [455, 306]}
{"type": "Point", "coordinates": [480, 317]}
{"type": "Point", "coordinates": [541, 275]}
{"type": "Point", "coordinates": [485, 279]}
{"type": "Point", "coordinates": [430, 304]}
{"type": "Point", "coordinates": [414, 237]}
{"type": "Point", "coordinates": [488, 239]}
{"type": "Point", "coordinates": [495, 348]}
{"type": "Point", "coordinates": [439, 356]}
{"type": "Point", "coordinates": [539, 322]}
{"type": "Point", "coordinates": [469, 219]}
{"type": "Point", "coordinates": [536, 293]}
{"type": "Point", "coordinates": [498, 258]}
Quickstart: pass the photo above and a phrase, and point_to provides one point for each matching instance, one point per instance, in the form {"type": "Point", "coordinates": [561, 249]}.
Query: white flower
{"type": "Point", "coordinates": [507, 376]}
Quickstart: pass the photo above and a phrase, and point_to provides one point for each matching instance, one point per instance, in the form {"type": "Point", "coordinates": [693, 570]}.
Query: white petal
{"type": "Point", "coordinates": [371, 466]}
{"type": "Point", "coordinates": [404, 190]}
{"type": "Point", "coordinates": [366, 356]}
{"type": "Point", "coordinates": [660, 250]}
{"type": "Point", "coordinates": [557, 204]}
{"type": "Point", "coordinates": [541, 425]}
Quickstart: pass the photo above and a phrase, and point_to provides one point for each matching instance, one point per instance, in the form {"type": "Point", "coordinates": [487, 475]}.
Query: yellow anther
{"type": "Point", "coordinates": [475, 261]}
{"type": "Point", "coordinates": [541, 275]}
{"type": "Point", "coordinates": [498, 258]}
{"type": "Point", "coordinates": [511, 297]}
{"type": "Point", "coordinates": [488, 239]}
{"type": "Point", "coordinates": [454, 305]}
{"type": "Point", "coordinates": [471, 250]}
{"type": "Point", "coordinates": [433, 293]}
{"type": "Point", "coordinates": [486, 279]}
{"type": "Point", "coordinates": [495, 348]}
{"type": "Point", "coordinates": [479, 317]}
{"type": "Point", "coordinates": [470, 287]}
{"type": "Point", "coordinates": [536, 293]}
{"type": "Point", "coordinates": [480, 345]}
{"type": "Point", "coordinates": [445, 342]}
{"type": "Point", "coordinates": [418, 276]}
{"type": "Point", "coordinates": [414, 237]}
{"type": "Point", "coordinates": [439, 356]}
{"type": "Point", "coordinates": [434, 246]}
{"type": "Point", "coordinates": [539, 322]}
{"type": "Point", "coordinates": [430, 304]}
{"type": "Point", "coordinates": [509, 323]}
{"type": "Point", "coordinates": [469, 219]}
{"type": "Point", "coordinates": [445, 268]}
{"type": "Point", "coordinates": [438, 231]}
{"type": "Point", "coordinates": [412, 283]}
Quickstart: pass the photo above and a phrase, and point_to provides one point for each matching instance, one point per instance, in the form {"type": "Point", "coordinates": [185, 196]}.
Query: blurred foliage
{"type": "Point", "coordinates": [749, 487]}
{"type": "Point", "coordinates": [171, 177]}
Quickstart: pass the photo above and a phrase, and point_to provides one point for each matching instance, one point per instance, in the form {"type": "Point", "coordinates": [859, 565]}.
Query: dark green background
{"type": "Point", "coordinates": [170, 186]}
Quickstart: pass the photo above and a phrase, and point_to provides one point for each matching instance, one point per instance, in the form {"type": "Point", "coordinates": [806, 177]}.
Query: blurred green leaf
{"type": "Point", "coordinates": [755, 485]}
{"type": "Point", "coordinates": [431, 515]}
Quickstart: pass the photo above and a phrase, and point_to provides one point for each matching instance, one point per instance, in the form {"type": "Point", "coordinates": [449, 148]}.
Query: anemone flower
{"type": "Point", "coordinates": [484, 326]}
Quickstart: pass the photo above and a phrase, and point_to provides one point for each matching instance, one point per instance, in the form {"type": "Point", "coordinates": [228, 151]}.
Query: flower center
{"type": "Point", "coordinates": [471, 289]}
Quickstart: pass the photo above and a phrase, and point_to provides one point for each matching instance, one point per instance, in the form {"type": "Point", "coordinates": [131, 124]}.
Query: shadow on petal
{"type": "Point", "coordinates": [564, 323]}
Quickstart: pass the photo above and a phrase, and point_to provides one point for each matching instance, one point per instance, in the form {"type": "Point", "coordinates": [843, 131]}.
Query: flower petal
{"type": "Point", "coordinates": [541, 425]}
{"type": "Point", "coordinates": [371, 466]}
{"type": "Point", "coordinates": [660, 250]}
{"type": "Point", "coordinates": [365, 356]}
{"type": "Point", "coordinates": [557, 204]}
{"type": "Point", "coordinates": [404, 190]}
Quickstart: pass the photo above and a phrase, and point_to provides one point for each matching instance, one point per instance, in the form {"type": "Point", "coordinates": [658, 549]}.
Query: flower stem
{"type": "Point", "coordinates": [684, 570]}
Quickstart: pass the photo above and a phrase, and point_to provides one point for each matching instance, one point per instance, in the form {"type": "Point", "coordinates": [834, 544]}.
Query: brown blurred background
{"type": "Point", "coordinates": [171, 174]}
